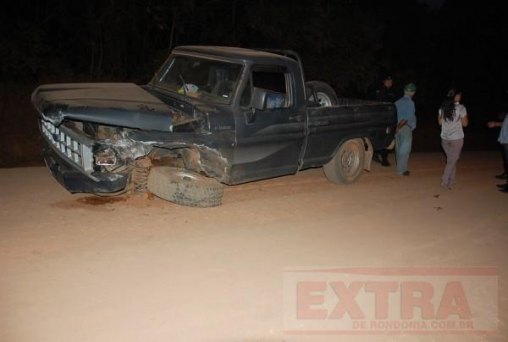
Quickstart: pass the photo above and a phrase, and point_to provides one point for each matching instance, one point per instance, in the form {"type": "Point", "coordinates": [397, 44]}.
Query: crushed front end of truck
{"type": "Point", "coordinates": [88, 134]}
{"type": "Point", "coordinates": [82, 162]}
{"type": "Point", "coordinates": [104, 138]}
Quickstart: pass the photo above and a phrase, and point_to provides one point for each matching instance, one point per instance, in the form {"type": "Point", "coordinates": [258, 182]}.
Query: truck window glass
{"type": "Point", "coordinates": [274, 81]}
{"type": "Point", "coordinates": [199, 77]}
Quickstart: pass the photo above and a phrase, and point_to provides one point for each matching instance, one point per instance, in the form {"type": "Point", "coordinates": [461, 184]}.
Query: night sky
{"type": "Point", "coordinates": [348, 43]}
{"type": "Point", "coordinates": [434, 3]}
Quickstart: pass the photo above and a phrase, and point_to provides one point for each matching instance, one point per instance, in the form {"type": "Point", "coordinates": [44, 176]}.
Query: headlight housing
{"type": "Point", "coordinates": [105, 156]}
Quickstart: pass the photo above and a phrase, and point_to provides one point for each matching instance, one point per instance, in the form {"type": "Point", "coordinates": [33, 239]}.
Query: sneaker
{"type": "Point", "coordinates": [503, 175]}
{"type": "Point", "coordinates": [446, 186]}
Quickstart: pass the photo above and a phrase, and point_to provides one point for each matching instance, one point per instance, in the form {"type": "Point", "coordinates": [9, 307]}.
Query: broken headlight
{"type": "Point", "coordinates": [105, 156]}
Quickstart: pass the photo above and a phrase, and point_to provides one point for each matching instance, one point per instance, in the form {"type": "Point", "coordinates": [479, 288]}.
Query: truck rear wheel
{"type": "Point", "coordinates": [322, 94]}
{"type": "Point", "coordinates": [347, 164]}
{"type": "Point", "coordinates": [185, 187]}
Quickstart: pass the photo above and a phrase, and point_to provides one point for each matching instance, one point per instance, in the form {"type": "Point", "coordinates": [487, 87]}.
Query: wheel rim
{"type": "Point", "coordinates": [186, 176]}
{"type": "Point", "coordinates": [323, 99]}
{"type": "Point", "coordinates": [350, 160]}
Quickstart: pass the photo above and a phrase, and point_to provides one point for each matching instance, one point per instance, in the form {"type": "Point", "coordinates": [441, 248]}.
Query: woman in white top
{"type": "Point", "coordinates": [452, 117]}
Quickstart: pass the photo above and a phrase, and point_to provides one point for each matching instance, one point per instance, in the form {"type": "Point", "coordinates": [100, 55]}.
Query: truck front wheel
{"type": "Point", "coordinates": [185, 187]}
{"type": "Point", "coordinates": [347, 164]}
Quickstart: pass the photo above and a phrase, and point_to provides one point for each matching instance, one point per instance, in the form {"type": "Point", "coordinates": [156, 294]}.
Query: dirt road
{"type": "Point", "coordinates": [76, 268]}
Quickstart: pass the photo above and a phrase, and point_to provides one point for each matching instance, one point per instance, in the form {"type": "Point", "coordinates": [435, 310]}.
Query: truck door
{"type": "Point", "coordinates": [270, 135]}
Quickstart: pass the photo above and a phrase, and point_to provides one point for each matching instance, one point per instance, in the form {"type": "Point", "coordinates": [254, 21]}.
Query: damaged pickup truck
{"type": "Point", "coordinates": [210, 116]}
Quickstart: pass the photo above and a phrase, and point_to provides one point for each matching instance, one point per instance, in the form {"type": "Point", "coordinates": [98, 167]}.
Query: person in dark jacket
{"type": "Point", "coordinates": [503, 140]}
{"type": "Point", "coordinates": [384, 93]}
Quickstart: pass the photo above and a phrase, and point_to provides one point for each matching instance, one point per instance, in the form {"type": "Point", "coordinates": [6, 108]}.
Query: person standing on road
{"type": "Point", "coordinates": [452, 117]}
{"type": "Point", "coordinates": [384, 94]}
{"type": "Point", "coordinates": [406, 123]}
{"type": "Point", "coordinates": [503, 140]}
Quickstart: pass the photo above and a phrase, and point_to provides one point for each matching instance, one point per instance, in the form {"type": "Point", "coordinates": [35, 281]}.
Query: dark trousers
{"type": "Point", "coordinates": [382, 154]}
{"type": "Point", "coordinates": [505, 157]}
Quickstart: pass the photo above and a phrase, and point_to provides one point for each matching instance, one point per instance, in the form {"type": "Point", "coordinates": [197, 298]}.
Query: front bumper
{"type": "Point", "coordinates": [74, 180]}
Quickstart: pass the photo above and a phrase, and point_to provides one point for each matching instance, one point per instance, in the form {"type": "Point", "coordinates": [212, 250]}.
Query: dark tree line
{"type": "Point", "coordinates": [345, 42]}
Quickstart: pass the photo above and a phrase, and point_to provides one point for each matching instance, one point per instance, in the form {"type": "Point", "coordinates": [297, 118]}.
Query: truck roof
{"type": "Point", "coordinates": [232, 52]}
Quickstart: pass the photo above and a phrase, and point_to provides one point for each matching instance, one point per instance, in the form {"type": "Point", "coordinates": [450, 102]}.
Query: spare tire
{"type": "Point", "coordinates": [321, 93]}
{"type": "Point", "coordinates": [184, 187]}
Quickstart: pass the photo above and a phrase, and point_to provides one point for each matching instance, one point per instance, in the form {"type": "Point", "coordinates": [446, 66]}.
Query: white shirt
{"type": "Point", "coordinates": [452, 130]}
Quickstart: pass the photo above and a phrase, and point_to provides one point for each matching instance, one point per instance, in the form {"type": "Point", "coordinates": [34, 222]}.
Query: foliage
{"type": "Point", "coordinates": [347, 43]}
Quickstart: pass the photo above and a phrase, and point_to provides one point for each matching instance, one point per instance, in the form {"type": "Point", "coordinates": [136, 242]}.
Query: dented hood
{"type": "Point", "coordinates": [116, 104]}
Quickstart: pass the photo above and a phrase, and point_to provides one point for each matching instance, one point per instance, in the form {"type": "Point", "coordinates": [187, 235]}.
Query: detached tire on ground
{"type": "Point", "coordinates": [184, 187]}
{"type": "Point", "coordinates": [322, 94]}
{"type": "Point", "coordinates": [347, 165]}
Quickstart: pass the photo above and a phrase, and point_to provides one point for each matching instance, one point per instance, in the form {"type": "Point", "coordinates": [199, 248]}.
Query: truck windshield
{"type": "Point", "coordinates": [200, 78]}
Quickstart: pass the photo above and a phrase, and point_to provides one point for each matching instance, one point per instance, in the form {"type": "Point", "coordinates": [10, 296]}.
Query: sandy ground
{"type": "Point", "coordinates": [76, 268]}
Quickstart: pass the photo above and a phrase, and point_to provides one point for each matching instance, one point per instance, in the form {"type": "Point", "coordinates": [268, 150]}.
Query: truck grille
{"type": "Point", "coordinates": [69, 144]}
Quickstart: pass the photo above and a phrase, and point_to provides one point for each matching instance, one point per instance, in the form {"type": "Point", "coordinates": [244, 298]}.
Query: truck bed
{"type": "Point", "coordinates": [351, 118]}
